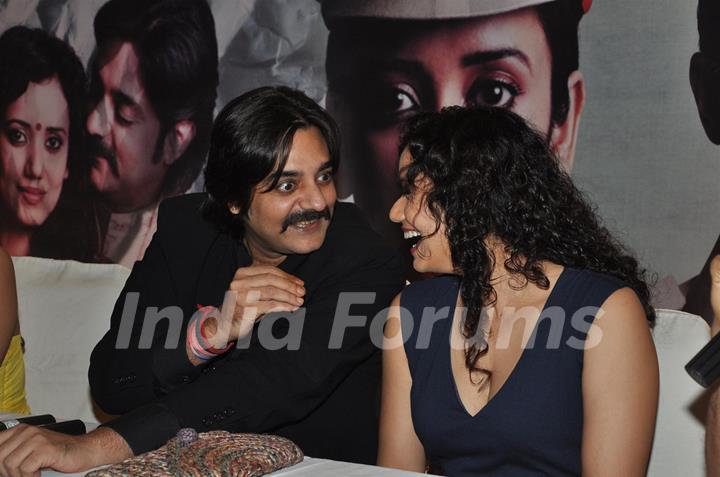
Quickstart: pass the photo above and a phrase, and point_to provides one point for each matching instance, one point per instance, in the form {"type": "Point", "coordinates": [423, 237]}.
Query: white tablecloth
{"type": "Point", "coordinates": [311, 468]}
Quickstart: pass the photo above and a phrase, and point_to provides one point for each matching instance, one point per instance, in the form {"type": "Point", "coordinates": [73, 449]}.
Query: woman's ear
{"type": "Point", "coordinates": [564, 136]}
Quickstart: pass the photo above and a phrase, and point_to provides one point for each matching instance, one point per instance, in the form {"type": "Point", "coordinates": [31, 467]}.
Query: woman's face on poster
{"type": "Point", "coordinates": [412, 66]}
{"type": "Point", "coordinates": [34, 153]}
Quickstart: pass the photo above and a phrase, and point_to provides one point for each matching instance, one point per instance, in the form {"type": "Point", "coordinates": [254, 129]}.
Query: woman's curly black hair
{"type": "Point", "coordinates": [494, 176]}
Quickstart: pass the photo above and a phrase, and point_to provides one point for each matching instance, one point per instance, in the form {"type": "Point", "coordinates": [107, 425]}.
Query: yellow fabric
{"type": "Point", "coordinates": [12, 379]}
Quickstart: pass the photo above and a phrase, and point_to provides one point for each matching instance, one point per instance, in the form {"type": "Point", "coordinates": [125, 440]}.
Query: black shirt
{"type": "Point", "coordinates": [324, 398]}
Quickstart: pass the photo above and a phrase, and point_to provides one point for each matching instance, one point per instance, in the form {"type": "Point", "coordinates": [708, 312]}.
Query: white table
{"type": "Point", "coordinates": [311, 467]}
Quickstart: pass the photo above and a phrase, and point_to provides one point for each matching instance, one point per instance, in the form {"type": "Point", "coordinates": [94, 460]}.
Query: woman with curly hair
{"type": "Point", "coordinates": [530, 353]}
{"type": "Point", "coordinates": [44, 185]}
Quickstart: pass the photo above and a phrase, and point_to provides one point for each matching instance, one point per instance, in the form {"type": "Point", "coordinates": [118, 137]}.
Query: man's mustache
{"type": "Point", "coordinates": [305, 216]}
{"type": "Point", "coordinates": [99, 149]}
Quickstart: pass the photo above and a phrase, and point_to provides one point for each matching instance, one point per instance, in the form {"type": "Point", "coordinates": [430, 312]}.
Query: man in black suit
{"type": "Point", "coordinates": [267, 237]}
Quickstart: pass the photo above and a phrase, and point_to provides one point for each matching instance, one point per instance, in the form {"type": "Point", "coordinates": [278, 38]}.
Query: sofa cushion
{"type": "Point", "coordinates": [679, 443]}
{"type": "Point", "coordinates": [64, 309]}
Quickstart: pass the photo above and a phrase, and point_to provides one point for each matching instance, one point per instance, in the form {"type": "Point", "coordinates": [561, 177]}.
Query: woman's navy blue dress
{"type": "Point", "coordinates": [533, 425]}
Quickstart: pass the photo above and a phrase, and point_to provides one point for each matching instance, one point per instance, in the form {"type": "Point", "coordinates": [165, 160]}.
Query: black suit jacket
{"type": "Point", "coordinates": [326, 400]}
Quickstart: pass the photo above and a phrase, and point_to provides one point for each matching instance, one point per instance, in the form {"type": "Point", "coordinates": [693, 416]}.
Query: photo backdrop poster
{"type": "Point", "coordinates": [617, 106]}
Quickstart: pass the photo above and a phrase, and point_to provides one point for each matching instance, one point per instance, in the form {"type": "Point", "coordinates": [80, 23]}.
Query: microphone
{"type": "Point", "coordinates": [704, 367]}
{"type": "Point", "coordinates": [73, 428]}
{"type": "Point", "coordinates": [33, 420]}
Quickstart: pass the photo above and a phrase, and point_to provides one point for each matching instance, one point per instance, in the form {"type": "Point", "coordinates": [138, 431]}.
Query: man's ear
{"type": "Point", "coordinates": [564, 136]}
{"type": "Point", "coordinates": [704, 77]}
{"type": "Point", "coordinates": [177, 140]}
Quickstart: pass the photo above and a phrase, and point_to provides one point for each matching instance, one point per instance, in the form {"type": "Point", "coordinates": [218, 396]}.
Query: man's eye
{"type": "Point", "coordinates": [285, 186]}
{"type": "Point", "coordinates": [53, 143]}
{"type": "Point", "coordinates": [122, 119]}
{"type": "Point", "coordinates": [492, 92]}
{"type": "Point", "coordinates": [325, 177]}
{"type": "Point", "coordinates": [16, 137]}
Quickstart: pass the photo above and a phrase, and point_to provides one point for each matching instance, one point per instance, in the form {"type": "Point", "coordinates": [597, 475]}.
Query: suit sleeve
{"type": "Point", "coordinates": [265, 389]}
{"type": "Point", "coordinates": [132, 366]}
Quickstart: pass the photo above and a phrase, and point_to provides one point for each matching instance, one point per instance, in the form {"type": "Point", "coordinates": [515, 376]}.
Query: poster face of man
{"type": "Point", "coordinates": [125, 130]}
{"type": "Point", "coordinates": [402, 67]}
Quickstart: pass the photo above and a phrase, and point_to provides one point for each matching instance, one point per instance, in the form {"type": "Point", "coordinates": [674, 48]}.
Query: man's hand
{"type": "Point", "coordinates": [25, 450]}
{"type": "Point", "coordinates": [715, 293]}
{"type": "Point", "coordinates": [258, 290]}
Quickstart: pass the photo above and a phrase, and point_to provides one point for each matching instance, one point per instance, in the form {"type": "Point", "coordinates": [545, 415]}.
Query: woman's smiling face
{"type": "Point", "coordinates": [34, 153]}
{"type": "Point", "coordinates": [429, 244]}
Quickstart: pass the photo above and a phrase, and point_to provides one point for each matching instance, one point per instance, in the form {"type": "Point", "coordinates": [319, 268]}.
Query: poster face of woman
{"type": "Point", "coordinates": [34, 153]}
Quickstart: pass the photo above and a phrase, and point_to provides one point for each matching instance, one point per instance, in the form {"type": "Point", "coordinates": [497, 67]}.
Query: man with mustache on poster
{"type": "Point", "coordinates": [269, 232]}
{"type": "Point", "coordinates": [153, 76]}
{"type": "Point", "coordinates": [389, 59]}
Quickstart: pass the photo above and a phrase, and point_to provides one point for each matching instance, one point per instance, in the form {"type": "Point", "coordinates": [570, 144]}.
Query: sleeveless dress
{"type": "Point", "coordinates": [12, 379]}
{"type": "Point", "coordinates": [533, 425]}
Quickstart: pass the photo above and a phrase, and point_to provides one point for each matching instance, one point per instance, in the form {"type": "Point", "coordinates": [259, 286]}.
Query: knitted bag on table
{"type": "Point", "coordinates": [210, 454]}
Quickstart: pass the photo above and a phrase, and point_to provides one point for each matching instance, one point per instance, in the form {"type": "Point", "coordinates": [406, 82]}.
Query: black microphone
{"type": "Point", "coordinates": [704, 367]}
{"type": "Point", "coordinates": [74, 428]}
{"type": "Point", "coordinates": [33, 420]}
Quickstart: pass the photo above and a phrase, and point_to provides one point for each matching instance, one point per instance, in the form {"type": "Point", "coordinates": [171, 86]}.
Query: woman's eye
{"type": "Point", "coordinates": [285, 186]}
{"type": "Point", "coordinates": [395, 100]}
{"type": "Point", "coordinates": [492, 92]}
{"type": "Point", "coordinates": [54, 143]}
{"type": "Point", "coordinates": [16, 137]}
{"type": "Point", "coordinates": [403, 102]}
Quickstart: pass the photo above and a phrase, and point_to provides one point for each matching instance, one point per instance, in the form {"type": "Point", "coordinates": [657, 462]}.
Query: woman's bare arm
{"type": "Point", "coordinates": [399, 445]}
{"type": "Point", "coordinates": [8, 303]}
{"type": "Point", "coordinates": [620, 390]}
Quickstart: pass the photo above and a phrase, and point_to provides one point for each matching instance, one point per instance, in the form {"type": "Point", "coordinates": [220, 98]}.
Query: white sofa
{"type": "Point", "coordinates": [679, 446]}
{"type": "Point", "coordinates": [65, 308]}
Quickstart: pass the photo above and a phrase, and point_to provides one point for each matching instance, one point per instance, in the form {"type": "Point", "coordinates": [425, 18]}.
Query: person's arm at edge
{"type": "Point", "coordinates": [712, 425]}
{"type": "Point", "coordinates": [25, 450]}
{"type": "Point", "coordinates": [399, 446]}
{"type": "Point", "coordinates": [8, 298]}
{"type": "Point", "coordinates": [620, 389]}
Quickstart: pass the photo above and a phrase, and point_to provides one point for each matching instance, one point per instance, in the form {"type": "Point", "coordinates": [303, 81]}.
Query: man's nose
{"type": "Point", "coordinates": [314, 198]}
{"type": "Point", "coordinates": [98, 122]}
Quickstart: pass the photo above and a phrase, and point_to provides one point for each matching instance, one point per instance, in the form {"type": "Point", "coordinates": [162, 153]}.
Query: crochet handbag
{"type": "Point", "coordinates": [210, 454]}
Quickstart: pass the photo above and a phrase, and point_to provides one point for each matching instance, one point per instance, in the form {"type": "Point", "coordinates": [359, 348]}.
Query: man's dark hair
{"type": "Point", "coordinates": [494, 176]}
{"type": "Point", "coordinates": [708, 16]}
{"type": "Point", "coordinates": [178, 56]}
{"type": "Point", "coordinates": [250, 143]}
